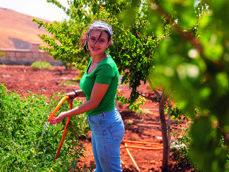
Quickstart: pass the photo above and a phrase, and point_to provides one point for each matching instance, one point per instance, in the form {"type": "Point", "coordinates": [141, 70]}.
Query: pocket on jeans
{"type": "Point", "coordinates": [117, 131]}
{"type": "Point", "coordinates": [95, 120]}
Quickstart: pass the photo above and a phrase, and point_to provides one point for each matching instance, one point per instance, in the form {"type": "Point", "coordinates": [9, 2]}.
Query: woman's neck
{"type": "Point", "coordinates": [98, 59]}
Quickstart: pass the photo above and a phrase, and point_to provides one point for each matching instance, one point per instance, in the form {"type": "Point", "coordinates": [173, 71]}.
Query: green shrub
{"type": "Point", "coordinates": [181, 149]}
{"type": "Point", "coordinates": [41, 65]}
{"type": "Point", "coordinates": [21, 125]}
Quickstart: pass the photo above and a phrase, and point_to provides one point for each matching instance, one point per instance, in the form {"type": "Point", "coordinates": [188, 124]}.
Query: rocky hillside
{"type": "Point", "coordinates": [17, 30]}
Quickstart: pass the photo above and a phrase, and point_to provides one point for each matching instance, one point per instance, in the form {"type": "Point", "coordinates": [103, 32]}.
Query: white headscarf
{"type": "Point", "coordinates": [102, 25]}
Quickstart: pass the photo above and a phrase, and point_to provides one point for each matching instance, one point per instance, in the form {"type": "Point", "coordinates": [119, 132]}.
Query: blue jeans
{"type": "Point", "coordinates": [107, 133]}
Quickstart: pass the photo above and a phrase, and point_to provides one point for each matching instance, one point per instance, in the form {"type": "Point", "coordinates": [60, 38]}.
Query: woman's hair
{"type": "Point", "coordinates": [98, 25]}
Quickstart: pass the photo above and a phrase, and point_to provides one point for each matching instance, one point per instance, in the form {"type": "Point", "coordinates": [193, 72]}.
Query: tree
{"type": "Point", "coordinates": [133, 47]}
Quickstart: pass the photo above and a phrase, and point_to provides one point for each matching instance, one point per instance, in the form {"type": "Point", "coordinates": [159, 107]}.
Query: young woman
{"type": "Point", "coordinates": [99, 85]}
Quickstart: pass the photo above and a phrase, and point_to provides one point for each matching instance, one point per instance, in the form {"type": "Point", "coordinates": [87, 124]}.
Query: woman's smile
{"type": "Point", "coordinates": [95, 49]}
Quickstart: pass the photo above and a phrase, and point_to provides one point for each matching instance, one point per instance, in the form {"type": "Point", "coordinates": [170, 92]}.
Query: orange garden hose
{"type": "Point", "coordinates": [131, 157]}
{"type": "Point", "coordinates": [142, 143]}
{"type": "Point", "coordinates": [138, 147]}
{"type": "Point", "coordinates": [66, 125]}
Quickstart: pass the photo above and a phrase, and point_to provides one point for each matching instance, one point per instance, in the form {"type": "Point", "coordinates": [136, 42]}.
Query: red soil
{"type": "Point", "coordinates": [139, 127]}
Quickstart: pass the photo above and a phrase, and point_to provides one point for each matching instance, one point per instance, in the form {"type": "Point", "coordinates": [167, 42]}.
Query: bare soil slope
{"type": "Point", "coordinates": [17, 30]}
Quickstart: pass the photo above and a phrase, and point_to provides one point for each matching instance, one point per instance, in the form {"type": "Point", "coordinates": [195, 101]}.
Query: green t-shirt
{"type": "Point", "coordinates": [106, 72]}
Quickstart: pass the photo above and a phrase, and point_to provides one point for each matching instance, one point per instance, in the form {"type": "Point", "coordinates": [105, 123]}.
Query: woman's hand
{"type": "Point", "coordinates": [56, 120]}
{"type": "Point", "coordinates": [71, 96]}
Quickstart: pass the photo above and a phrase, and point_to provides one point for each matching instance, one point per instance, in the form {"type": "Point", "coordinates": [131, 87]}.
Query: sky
{"type": "Point", "coordinates": [36, 8]}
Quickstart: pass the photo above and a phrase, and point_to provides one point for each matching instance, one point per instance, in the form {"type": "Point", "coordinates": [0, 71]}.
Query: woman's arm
{"type": "Point", "coordinates": [98, 92]}
{"type": "Point", "coordinates": [79, 93]}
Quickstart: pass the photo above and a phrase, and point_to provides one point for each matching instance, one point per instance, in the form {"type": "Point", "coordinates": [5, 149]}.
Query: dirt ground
{"type": "Point", "coordinates": [138, 127]}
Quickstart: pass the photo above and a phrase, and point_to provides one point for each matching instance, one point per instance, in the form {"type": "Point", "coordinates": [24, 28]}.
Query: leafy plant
{"type": "Point", "coordinates": [129, 122]}
{"type": "Point", "coordinates": [1, 53]}
{"type": "Point", "coordinates": [68, 82]}
{"type": "Point", "coordinates": [41, 65]}
{"type": "Point", "coordinates": [21, 124]}
{"type": "Point", "coordinates": [181, 150]}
